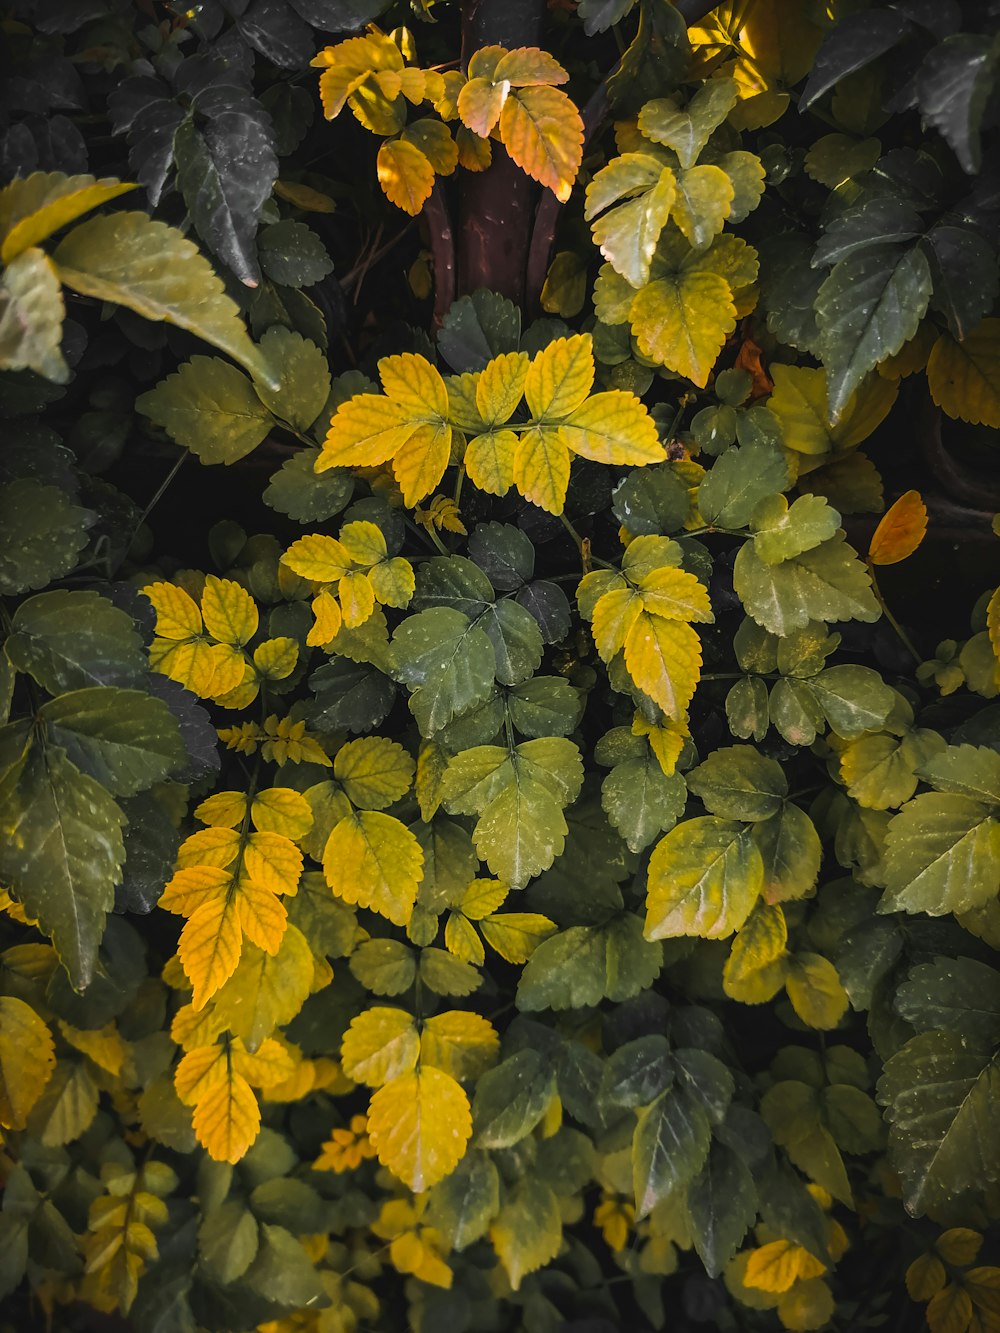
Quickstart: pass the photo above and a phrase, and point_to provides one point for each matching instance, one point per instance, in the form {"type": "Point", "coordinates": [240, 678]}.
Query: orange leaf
{"type": "Point", "coordinates": [900, 532]}
{"type": "Point", "coordinates": [542, 130]}
{"type": "Point", "coordinates": [405, 175]}
{"type": "Point", "coordinates": [749, 358]}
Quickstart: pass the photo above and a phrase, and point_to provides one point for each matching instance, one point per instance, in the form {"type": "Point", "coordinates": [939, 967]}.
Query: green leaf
{"type": "Point", "coordinates": [636, 1073]}
{"type": "Point", "coordinates": [42, 532]}
{"type": "Point", "coordinates": [827, 583]}
{"type": "Point", "coordinates": [966, 770]}
{"type": "Point", "coordinates": [579, 967]}
{"type": "Point", "coordinates": [782, 531]}
{"type": "Point", "coordinates": [292, 255]}
{"type": "Point", "coordinates": [448, 663]}
{"type": "Point", "coordinates": [133, 261]}
{"type": "Point", "coordinates": [954, 84]}
{"type": "Point", "coordinates": [283, 1273]}
{"type": "Point", "coordinates": [297, 490]}
{"type": "Point", "coordinates": [669, 1148]}
{"type": "Point", "coordinates": [465, 1202]}
{"type": "Point", "coordinates": [956, 995]}
{"type": "Point", "coordinates": [942, 854]}
{"type": "Point", "coordinates": [34, 207]}
{"type": "Point", "coordinates": [704, 879]}
{"type": "Point", "coordinates": [545, 706]}
{"type": "Point", "coordinates": [61, 852]}
{"type": "Point", "coordinates": [867, 308]}
{"type": "Point", "coordinates": [209, 407]}
{"type": "Point", "coordinates": [510, 1099]}
{"type": "Point", "coordinates": [651, 501]}
{"type": "Point", "coordinates": [125, 739]}
{"type": "Point", "coordinates": [69, 640]}
{"type": "Point", "coordinates": [227, 1241]}
{"type": "Point", "coordinates": [516, 639]}
{"type": "Point", "coordinates": [31, 317]}
{"type": "Point", "coordinates": [739, 481]}
{"type": "Point", "coordinates": [303, 376]}
{"type": "Point", "coordinates": [641, 801]}
{"type": "Point", "coordinates": [855, 699]}
{"type": "Point", "coordinates": [941, 1095]}
{"type": "Point", "coordinates": [738, 782]}
{"type": "Point", "coordinates": [722, 1202]}
{"type": "Point", "coordinates": [688, 131]}
{"type": "Point", "coordinates": [791, 851]}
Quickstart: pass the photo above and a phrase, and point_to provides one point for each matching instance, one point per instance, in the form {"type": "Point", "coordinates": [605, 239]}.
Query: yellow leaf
{"type": "Point", "coordinates": [483, 897]}
{"type": "Point", "coordinates": [674, 594]}
{"type": "Point", "coordinates": [431, 764]}
{"type": "Point", "coordinates": [227, 1119]}
{"type": "Point", "coordinates": [900, 532]}
{"type": "Point", "coordinates": [192, 663]}
{"type": "Point", "coordinates": [560, 377]}
{"type": "Point", "coordinates": [474, 152]}
{"type": "Point", "coordinates": [364, 543]}
{"type": "Point", "coordinates": [273, 862]}
{"type": "Point", "coordinates": [666, 742]}
{"type": "Point", "coordinates": [815, 990]}
{"type": "Point", "coordinates": [328, 620]}
{"type": "Point", "coordinates": [950, 1310]}
{"type": "Point", "coordinates": [229, 612]}
{"type": "Point", "coordinates": [263, 917]}
{"type": "Point", "coordinates": [104, 1046]}
{"type": "Point", "coordinates": [542, 130]}
{"type": "Point", "coordinates": [434, 140]}
{"type": "Point", "coordinates": [924, 1277]}
{"type": "Point", "coordinates": [393, 582]}
{"type": "Point", "coordinates": [489, 461]}
{"type": "Point", "coordinates": [43, 203]}
{"type": "Point", "coordinates": [460, 938]}
{"type": "Point", "coordinates": [419, 1124]}
{"type": "Point", "coordinates": [704, 879]}
{"type": "Point", "coordinates": [516, 935]}
{"type": "Point", "coordinates": [527, 66]}
{"type": "Point", "coordinates": [209, 946]}
{"type": "Point", "coordinates": [317, 557]}
{"type": "Point", "coordinates": [177, 614]}
{"type": "Point", "coordinates": [464, 1045]}
{"type": "Point", "coordinates": [614, 428]}
{"type": "Point", "coordinates": [357, 599]}
{"type": "Point", "coordinates": [779, 1264]}
{"type": "Point", "coordinates": [209, 847]}
{"type": "Point", "coordinates": [614, 615]}
{"type": "Point", "coordinates": [405, 175]}
{"type": "Point", "coordinates": [959, 1245]}
{"type": "Point", "coordinates": [228, 673]}
{"type": "Point", "coordinates": [374, 772]}
{"type": "Point", "coordinates": [541, 468]}
{"type": "Point", "coordinates": [480, 103]}
{"type": "Point", "coordinates": [225, 809]}
{"type": "Point", "coordinates": [501, 384]}
{"type": "Point", "coordinates": [663, 657]}
{"type": "Point", "coordinates": [993, 622]}
{"type": "Point", "coordinates": [271, 1063]}
{"type": "Point", "coordinates": [276, 659]}
{"type": "Point", "coordinates": [27, 1058]}
{"type": "Point", "coordinates": [266, 990]}
{"type": "Point", "coordinates": [419, 464]}
{"type": "Point", "coordinates": [304, 197]}
{"type": "Point", "coordinates": [964, 377]}
{"type": "Point", "coordinates": [682, 321]}
{"type": "Point", "coordinates": [759, 944]}
{"type": "Point", "coordinates": [374, 861]}
{"type": "Point", "coordinates": [280, 810]}
{"type": "Point", "coordinates": [192, 886]}
{"type": "Point", "coordinates": [379, 1045]}
{"type": "Point", "coordinates": [799, 401]}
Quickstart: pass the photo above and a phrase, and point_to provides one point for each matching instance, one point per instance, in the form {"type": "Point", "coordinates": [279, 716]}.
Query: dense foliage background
{"type": "Point", "coordinates": [500, 782]}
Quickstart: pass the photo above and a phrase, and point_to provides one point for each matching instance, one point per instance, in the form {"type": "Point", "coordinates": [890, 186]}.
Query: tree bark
{"type": "Point", "coordinates": [496, 206]}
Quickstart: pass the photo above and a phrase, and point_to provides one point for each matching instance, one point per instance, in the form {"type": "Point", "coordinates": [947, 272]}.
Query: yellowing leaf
{"type": "Point", "coordinates": [226, 1115]}
{"type": "Point", "coordinates": [964, 377]}
{"type": "Point", "coordinates": [615, 428]}
{"type": "Point", "coordinates": [560, 377]}
{"type": "Point", "coordinates": [224, 809]}
{"type": "Point", "coordinates": [357, 599]}
{"type": "Point", "coordinates": [959, 1245]}
{"type": "Point", "coordinates": [379, 1045]}
{"type": "Point", "coordinates": [393, 582]}
{"type": "Point", "coordinates": [759, 944]}
{"type": "Point", "coordinates": [420, 464]}
{"type": "Point", "coordinates": [614, 615]}
{"type": "Point", "coordinates": [273, 862]}
{"type": "Point", "coordinates": [463, 1045]}
{"type": "Point", "coordinates": [541, 468]}
{"type": "Point", "coordinates": [280, 810]}
{"type": "Point", "coordinates": [674, 593]}
{"type": "Point", "coordinates": [480, 103]}
{"type": "Point", "coordinates": [319, 558]}
{"type": "Point", "coordinates": [900, 531]}
{"type": "Point", "coordinates": [27, 1058]}
{"type": "Point", "coordinates": [489, 461]}
{"type": "Point", "coordinates": [177, 614]}
{"type": "Point", "coordinates": [682, 321]}
{"type": "Point", "coordinates": [483, 897]}
{"type": "Point", "coordinates": [500, 386]}
{"type": "Point", "coordinates": [328, 622]}
{"type": "Point", "coordinates": [779, 1264]}
{"type": "Point", "coordinates": [705, 877]}
{"type": "Point", "coordinates": [799, 401]}
{"type": "Point", "coordinates": [924, 1277]}
{"type": "Point", "coordinates": [516, 935]}
{"type": "Point", "coordinates": [374, 861]}
{"type": "Point", "coordinates": [815, 991]}
{"type": "Point", "coordinates": [405, 175]}
{"type": "Point", "coordinates": [542, 130]}
{"type": "Point", "coordinates": [209, 946]}
{"type": "Point", "coordinates": [419, 1124]}
{"type": "Point", "coordinates": [229, 612]}
{"type": "Point", "coordinates": [663, 657]}
{"type": "Point", "coordinates": [373, 771]}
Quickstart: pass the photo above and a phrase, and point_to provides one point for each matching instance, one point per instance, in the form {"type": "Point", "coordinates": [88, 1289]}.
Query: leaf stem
{"type": "Point", "coordinates": [904, 638]}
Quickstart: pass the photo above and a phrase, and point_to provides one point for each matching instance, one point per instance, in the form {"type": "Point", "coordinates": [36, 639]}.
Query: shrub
{"type": "Point", "coordinates": [539, 868]}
